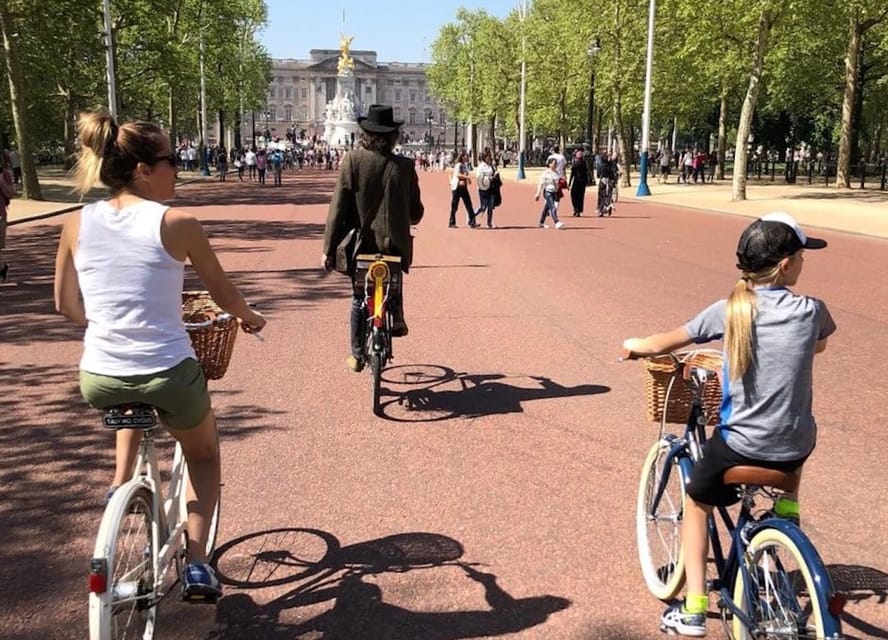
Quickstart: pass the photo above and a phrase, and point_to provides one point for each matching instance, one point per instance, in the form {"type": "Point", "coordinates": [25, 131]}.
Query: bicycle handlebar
{"type": "Point", "coordinates": [222, 317]}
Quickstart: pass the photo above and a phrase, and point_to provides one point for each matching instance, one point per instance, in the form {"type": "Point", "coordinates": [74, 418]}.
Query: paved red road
{"type": "Point", "coordinates": [501, 502]}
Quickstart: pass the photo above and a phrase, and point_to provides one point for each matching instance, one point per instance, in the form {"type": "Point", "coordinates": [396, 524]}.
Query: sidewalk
{"type": "Point", "coordinates": [863, 212]}
{"type": "Point", "coordinates": [56, 188]}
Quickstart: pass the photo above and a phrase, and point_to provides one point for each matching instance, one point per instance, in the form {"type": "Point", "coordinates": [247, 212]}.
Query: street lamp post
{"type": "Point", "coordinates": [643, 189]}
{"type": "Point", "coordinates": [109, 54]}
{"type": "Point", "coordinates": [204, 151]}
{"type": "Point", "coordinates": [522, 135]}
{"type": "Point", "coordinates": [593, 51]}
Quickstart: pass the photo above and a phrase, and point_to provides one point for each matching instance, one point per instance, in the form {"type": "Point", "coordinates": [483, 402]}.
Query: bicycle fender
{"type": "Point", "coordinates": [819, 574]}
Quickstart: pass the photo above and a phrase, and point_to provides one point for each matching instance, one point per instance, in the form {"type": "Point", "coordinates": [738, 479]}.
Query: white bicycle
{"type": "Point", "coordinates": [140, 548]}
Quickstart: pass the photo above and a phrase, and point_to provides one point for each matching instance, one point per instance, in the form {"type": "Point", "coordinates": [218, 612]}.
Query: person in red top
{"type": "Point", "coordinates": [7, 191]}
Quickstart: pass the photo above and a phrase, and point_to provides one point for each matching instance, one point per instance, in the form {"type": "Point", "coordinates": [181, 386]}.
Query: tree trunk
{"type": "Point", "coordinates": [738, 188]}
{"type": "Point", "coordinates": [70, 130]}
{"type": "Point", "coordinates": [852, 67]}
{"type": "Point", "coordinates": [172, 114]}
{"type": "Point", "coordinates": [491, 135]}
{"type": "Point", "coordinates": [722, 135]}
{"type": "Point", "coordinates": [18, 102]}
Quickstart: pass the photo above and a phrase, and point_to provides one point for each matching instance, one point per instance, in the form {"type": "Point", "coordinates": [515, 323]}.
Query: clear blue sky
{"type": "Point", "coordinates": [398, 30]}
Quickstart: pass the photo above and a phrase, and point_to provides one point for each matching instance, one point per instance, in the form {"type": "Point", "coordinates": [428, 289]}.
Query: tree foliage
{"type": "Point", "coordinates": [61, 66]}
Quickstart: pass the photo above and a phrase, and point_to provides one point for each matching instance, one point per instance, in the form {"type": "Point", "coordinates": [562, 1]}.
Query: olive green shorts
{"type": "Point", "coordinates": [179, 394]}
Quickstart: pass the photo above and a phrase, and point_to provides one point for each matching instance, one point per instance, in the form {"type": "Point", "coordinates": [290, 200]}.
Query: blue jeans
{"type": "Point", "coordinates": [486, 199]}
{"type": "Point", "coordinates": [550, 208]}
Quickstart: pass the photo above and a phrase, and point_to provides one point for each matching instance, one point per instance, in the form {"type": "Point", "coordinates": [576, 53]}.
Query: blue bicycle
{"type": "Point", "coordinates": [772, 582]}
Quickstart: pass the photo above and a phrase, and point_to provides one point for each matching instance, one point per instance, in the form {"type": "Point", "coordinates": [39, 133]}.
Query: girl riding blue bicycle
{"type": "Point", "coordinates": [770, 338]}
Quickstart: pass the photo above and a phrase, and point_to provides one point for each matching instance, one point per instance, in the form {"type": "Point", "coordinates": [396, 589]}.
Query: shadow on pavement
{"type": "Point", "coordinates": [306, 187]}
{"type": "Point", "coordinates": [358, 610]}
{"type": "Point", "coordinates": [859, 583]}
{"type": "Point", "coordinates": [57, 462]}
{"type": "Point", "coordinates": [847, 194]}
{"type": "Point", "coordinates": [438, 393]}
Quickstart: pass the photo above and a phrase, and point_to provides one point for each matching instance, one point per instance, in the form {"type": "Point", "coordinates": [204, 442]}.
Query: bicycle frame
{"type": "Point", "coordinates": [380, 275]}
{"type": "Point", "coordinates": [683, 452]}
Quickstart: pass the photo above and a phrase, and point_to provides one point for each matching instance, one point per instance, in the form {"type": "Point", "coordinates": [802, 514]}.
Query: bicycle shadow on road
{"type": "Point", "coordinates": [343, 576]}
{"type": "Point", "coordinates": [436, 392]}
{"type": "Point", "coordinates": [859, 584]}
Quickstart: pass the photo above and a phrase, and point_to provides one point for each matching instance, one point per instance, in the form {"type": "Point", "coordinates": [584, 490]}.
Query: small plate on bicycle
{"type": "Point", "coordinates": [137, 416]}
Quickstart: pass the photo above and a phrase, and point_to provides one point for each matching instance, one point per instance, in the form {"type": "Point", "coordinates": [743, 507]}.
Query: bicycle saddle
{"type": "Point", "coordinates": [787, 481]}
{"type": "Point", "coordinates": [132, 415]}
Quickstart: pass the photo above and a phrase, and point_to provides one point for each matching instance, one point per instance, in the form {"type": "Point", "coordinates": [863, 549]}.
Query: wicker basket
{"type": "Point", "coordinates": [214, 344]}
{"type": "Point", "coordinates": [662, 371]}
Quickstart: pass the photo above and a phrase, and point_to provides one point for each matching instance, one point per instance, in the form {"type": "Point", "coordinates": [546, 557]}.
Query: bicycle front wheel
{"type": "Point", "coordinates": [781, 600]}
{"type": "Point", "coordinates": [124, 556]}
{"type": "Point", "coordinates": [658, 522]}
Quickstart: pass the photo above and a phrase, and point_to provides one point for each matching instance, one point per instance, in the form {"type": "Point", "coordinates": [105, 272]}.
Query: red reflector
{"type": "Point", "coordinates": [98, 583]}
{"type": "Point", "coordinates": [837, 604]}
{"type": "Point", "coordinates": [377, 322]}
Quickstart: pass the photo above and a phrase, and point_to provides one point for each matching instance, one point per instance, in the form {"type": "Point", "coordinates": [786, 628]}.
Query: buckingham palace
{"type": "Point", "coordinates": [300, 90]}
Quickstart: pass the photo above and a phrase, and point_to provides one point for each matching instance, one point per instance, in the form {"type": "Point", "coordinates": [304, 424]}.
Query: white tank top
{"type": "Point", "coordinates": [132, 292]}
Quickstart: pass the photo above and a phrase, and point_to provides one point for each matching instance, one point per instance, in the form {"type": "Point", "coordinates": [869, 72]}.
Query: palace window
{"type": "Point", "coordinates": [397, 95]}
{"type": "Point", "coordinates": [303, 113]}
{"type": "Point", "coordinates": [288, 114]}
{"type": "Point", "coordinates": [412, 116]}
{"type": "Point", "coordinates": [397, 113]}
{"type": "Point", "coordinates": [413, 96]}
{"type": "Point", "coordinates": [289, 93]}
{"type": "Point", "coordinates": [272, 115]}
{"type": "Point", "coordinates": [304, 93]}
{"type": "Point", "coordinates": [442, 117]}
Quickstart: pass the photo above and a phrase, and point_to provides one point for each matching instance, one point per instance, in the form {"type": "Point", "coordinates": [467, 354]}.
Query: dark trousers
{"type": "Point", "coordinates": [461, 193]}
{"type": "Point", "coordinates": [577, 195]}
{"type": "Point", "coordinates": [358, 319]}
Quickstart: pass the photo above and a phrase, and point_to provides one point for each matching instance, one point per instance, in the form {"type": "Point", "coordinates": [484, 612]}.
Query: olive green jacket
{"type": "Point", "coordinates": [360, 193]}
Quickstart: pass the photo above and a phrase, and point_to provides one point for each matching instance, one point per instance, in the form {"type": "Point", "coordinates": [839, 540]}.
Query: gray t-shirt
{"type": "Point", "coordinates": [767, 414]}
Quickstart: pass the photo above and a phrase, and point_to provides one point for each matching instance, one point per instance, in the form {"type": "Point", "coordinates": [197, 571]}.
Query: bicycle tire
{"type": "Point", "coordinates": [778, 619]}
{"type": "Point", "coordinates": [179, 458]}
{"type": "Point", "coordinates": [664, 576]}
{"type": "Point", "coordinates": [376, 381]}
{"type": "Point", "coordinates": [128, 607]}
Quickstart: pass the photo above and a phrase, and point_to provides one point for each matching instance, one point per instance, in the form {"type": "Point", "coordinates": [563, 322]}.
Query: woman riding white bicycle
{"type": "Point", "coordinates": [119, 273]}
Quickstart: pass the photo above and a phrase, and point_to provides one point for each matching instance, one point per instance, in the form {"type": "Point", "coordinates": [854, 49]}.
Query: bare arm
{"type": "Point", "coordinates": [183, 236]}
{"type": "Point", "coordinates": [66, 289]}
{"type": "Point", "coordinates": [658, 343]}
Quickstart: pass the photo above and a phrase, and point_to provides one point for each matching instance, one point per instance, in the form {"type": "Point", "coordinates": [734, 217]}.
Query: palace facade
{"type": "Point", "coordinates": [300, 90]}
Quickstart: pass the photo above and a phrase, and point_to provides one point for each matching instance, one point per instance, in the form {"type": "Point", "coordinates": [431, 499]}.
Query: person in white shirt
{"type": "Point", "coordinates": [549, 190]}
{"type": "Point", "coordinates": [485, 175]}
{"type": "Point", "coordinates": [560, 161]}
{"type": "Point", "coordinates": [119, 273]}
{"type": "Point", "coordinates": [250, 159]}
{"type": "Point", "coordinates": [459, 189]}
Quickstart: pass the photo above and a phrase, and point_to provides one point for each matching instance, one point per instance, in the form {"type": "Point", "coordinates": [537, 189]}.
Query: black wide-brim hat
{"type": "Point", "coordinates": [379, 119]}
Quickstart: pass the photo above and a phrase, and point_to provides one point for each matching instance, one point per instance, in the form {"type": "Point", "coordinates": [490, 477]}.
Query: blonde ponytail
{"type": "Point", "coordinates": [97, 131]}
{"type": "Point", "coordinates": [739, 316]}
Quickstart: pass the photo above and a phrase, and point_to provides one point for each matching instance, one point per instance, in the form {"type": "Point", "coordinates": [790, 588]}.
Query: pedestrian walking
{"type": "Point", "coordinates": [222, 163]}
{"type": "Point", "coordinates": [240, 163]}
{"type": "Point", "coordinates": [665, 165]}
{"type": "Point", "coordinates": [119, 273]}
{"type": "Point", "coordinates": [277, 165]}
{"type": "Point", "coordinates": [261, 165]}
{"type": "Point", "coordinates": [250, 159]}
{"type": "Point", "coordinates": [771, 336]}
{"type": "Point", "coordinates": [579, 180]}
{"type": "Point", "coordinates": [377, 194]}
{"type": "Point", "coordinates": [460, 178]}
{"type": "Point", "coordinates": [7, 191]}
{"type": "Point", "coordinates": [549, 190]}
{"type": "Point", "coordinates": [485, 174]}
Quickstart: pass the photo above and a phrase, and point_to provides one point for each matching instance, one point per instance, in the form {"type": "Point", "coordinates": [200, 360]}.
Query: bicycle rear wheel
{"type": "Point", "coordinates": [376, 381]}
{"type": "Point", "coordinates": [127, 607]}
{"type": "Point", "coordinates": [659, 521]}
{"type": "Point", "coordinates": [781, 600]}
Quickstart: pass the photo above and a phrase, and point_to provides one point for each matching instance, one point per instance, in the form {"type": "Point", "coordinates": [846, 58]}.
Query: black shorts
{"type": "Point", "coordinates": [707, 486]}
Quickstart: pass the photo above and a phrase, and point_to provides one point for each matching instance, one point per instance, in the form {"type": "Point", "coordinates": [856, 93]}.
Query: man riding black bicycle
{"type": "Point", "coordinates": [607, 178]}
{"type": "Point", "coordinates": [376, 197]}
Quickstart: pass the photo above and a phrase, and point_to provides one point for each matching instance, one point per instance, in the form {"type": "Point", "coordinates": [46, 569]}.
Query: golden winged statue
{"type": "Point", "coordinates": [345, 60]}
